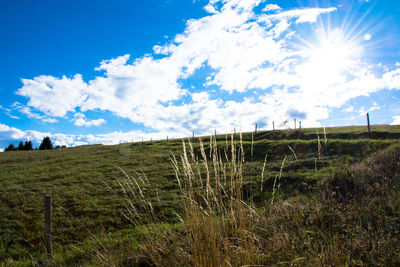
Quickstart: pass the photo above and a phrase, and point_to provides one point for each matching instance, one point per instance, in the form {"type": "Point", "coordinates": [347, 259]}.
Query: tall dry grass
{"type": "Point", "coordinates": [217, 220]}
{"type": "Point", "coordinates": [351, 219]}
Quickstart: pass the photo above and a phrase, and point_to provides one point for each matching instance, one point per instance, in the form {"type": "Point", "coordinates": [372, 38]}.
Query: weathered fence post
{"type": "Point", "coordinates": [193, 137]}
{"type": "Point", "coordinates": [273, 126]}
{"type": "Point", "coordinates": [47, 223]}
{"type": "Point", "coordinates": [369, 128]}
{"type": "Point", "coordinates": [255, 130]}
{"type": "Point", "coordinates": [295, 124]}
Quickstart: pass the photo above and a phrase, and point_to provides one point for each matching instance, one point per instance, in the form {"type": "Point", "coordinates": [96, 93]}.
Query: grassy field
{"type": "Point", "coordinates": [290, 197]}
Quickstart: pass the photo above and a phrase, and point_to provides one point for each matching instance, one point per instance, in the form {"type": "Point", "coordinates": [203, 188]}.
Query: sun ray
{"type": "Point", "coordinates": [336, 46]}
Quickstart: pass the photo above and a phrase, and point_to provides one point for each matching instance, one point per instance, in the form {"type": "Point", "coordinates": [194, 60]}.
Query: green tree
{"type": "Point", "coordinates": [28, 145]}
{"type": "Point", "coordinates": [11, 147]}
{"type": "Point", "coordinates": [46, 144]}
{"type": "Point", "coordinates": [21, 146]}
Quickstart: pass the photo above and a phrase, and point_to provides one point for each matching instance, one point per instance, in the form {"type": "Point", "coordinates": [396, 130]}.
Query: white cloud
{"type": "Point", "coordinates": [270, 7]}
{"type": "Point", "coordinates": [164, 50]}
{"type": "Point", "coordinates": [391, 79]}
{"type": "Point", "coordinates": [80, 120]}
{"type": "Point", "coordinates": [200, 97]}
{"type": "Point", "coordinates": [245, 51]}
{"type": "Point", "coordinates": [54, 96]}
{"type": "Point", "coordinates": [349, 109]}
{"type": "Point", "coordinates": [396, 120]}
{"type": "Point", "coordinates": [1, 149]}
{"type": "Point", "coordinates": [7, 132]}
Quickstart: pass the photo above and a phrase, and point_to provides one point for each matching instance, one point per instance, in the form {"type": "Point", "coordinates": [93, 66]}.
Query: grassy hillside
{"type": "Point", "coordinates": [92, 195]}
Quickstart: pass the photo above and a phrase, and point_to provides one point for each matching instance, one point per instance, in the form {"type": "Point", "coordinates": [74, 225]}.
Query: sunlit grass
{"type": "Point", "coordinates": [209, 203]}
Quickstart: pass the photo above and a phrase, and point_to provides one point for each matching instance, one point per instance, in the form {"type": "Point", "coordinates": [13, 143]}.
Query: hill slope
{"type": "Point", "coordinates": [88, 201]}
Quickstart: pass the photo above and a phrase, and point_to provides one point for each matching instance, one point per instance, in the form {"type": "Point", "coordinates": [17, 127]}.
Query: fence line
{"type": "Point", "coordinates": [298, 124]}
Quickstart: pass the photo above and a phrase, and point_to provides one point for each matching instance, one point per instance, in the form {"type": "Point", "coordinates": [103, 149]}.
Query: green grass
{"type": "Point", "coordinates": [89, 226]}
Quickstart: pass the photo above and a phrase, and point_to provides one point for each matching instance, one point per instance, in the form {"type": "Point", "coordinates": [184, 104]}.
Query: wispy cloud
{"type": "Point", "coordinates": [8, 112]}
{"type": "Point", "coordinates": [300, 15]}
{"type": "Point", "coordinates": [26, 110]}
{"type": "Point", "coordinates": [363, 111]}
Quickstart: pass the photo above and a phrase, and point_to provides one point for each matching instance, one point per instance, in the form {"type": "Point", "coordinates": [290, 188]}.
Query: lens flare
{"type": "Point", "coordinates": [367, 37]}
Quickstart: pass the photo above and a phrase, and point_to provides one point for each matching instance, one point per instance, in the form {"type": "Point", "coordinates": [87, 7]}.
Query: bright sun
{"type": "Point", "coordinates": [328, 59]}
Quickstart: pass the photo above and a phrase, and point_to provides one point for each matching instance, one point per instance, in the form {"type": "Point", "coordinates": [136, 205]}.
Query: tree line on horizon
{"type": "Point", "coordinates": [46, 144]}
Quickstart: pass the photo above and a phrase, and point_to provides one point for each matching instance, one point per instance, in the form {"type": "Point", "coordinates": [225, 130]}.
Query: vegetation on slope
{"type": "Point", "coordinates": [123, 205]}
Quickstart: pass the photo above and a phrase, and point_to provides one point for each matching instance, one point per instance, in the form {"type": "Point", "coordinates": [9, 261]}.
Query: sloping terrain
{"type": "Point", "coordinates": [89, 204]}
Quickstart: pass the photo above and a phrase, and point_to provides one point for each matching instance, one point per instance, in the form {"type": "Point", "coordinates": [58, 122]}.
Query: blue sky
{"type": "Point", "coordinates": [86, 72]}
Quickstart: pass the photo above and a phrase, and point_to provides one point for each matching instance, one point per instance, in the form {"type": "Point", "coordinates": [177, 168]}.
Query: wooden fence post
{"type": "Point", "coordinates": [273, 126]}
{"type": "Point", "coordinates": [47, 223]}
{"type": "Point", "coordinates": [193, 137]}
{"type": "Point", "coordinates": [295, 124]}
{"type": "Point", "coordinates": [369, 128]}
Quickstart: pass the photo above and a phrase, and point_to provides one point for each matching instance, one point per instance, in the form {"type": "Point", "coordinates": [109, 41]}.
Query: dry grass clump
{"type": "Point", "coordinates": [218, 223]}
